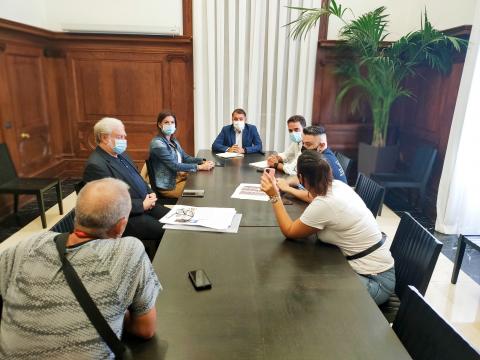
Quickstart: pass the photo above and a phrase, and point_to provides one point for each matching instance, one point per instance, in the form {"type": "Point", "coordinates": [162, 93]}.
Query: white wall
{"type": "Point", "coordinates": [30, 12]}
{"type": "Point", "coordinates": [405, 15]}
{"type": "Point", "coordinates": [145, 16]}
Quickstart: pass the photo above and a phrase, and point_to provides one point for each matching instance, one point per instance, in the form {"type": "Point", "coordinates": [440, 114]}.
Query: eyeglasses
{"type": "Point", "coordinates": [184, 214]}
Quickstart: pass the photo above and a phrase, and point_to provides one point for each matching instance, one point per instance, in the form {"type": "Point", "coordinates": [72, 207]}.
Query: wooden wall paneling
{"type": "Point", "coordinates": [60, 123]}
{"type": "Point", "coordinates": [132, 84]}
{"type": "Point", "coordinates": [28, 98]}
{"type": "Point", "coordinates": [179, 86]}
{"type": "Point", "coordinates": [121, 85]}
{"type": "Point", "coordinates": [187, 18]}
{"type": "Point", "coordinates": [338, 120]}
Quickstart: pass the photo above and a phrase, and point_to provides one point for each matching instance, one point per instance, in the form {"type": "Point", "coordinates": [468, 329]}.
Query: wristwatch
{"type": "Point", "coordinates": [273, 199]}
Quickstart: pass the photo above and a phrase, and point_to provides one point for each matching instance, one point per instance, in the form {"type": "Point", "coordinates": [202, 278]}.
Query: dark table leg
{"type": "Point", "coordinates": [58, 187]}
{"type": "Point", "coordinates": [41, 205]}
{"type": "Point", "coordinates": [458, 259]}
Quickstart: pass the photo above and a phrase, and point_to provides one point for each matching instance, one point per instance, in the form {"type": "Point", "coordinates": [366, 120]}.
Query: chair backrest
{"type": "Point", "coordinates": [422, 163]}
{"type": "Point", "coordinates": [345, 162]}
{"type": "Point", "coordinates": [415, 251]}
{"type": "Point", "coordinates": [65, 225]}
{"type": "Point", "coordinates": [79, 185]}
{"type": "Point", "coordinates": [8, 171]}
{"type": "Point", "coordinates": [151, 175]}
{"type": "Point", "coordinates": [425, 334]}
{"type": "Point", "coordinates": [370, 192]}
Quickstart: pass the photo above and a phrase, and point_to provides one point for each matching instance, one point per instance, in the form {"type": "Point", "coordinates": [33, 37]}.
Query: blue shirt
{"type": "Point", "coordinates": [337, 170]}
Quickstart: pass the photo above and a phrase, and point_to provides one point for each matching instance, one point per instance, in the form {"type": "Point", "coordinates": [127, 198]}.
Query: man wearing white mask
{"type": "Point", "coordinates": [239, 137]}
{"type": "Point", "coordinates": [287, 161]}
{"type": "Point", "coordinates": [109, 159]}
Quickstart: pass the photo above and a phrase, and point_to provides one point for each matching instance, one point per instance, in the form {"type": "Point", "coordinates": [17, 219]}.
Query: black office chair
{"type": "Point", "coordinates": [65, 225]}
{"type": "Point", "coordinates": [371, 193]}
{"type": "Point", "coordinates": [425, 334]}
{"type": "Point", "coordinates": [10, 183]}
{"type": "Point", "coordinates": [416, 252]}
{"type": "Point", "coordinates": [78, 186]}
{"type": "Point", "coordinates": [345, 162]}
{"type": "Point", "coordinates": [417, 175]}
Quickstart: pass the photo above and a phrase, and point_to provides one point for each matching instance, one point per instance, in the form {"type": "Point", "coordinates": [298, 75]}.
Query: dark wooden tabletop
{"type": "Point", "coordinates": [220, 183]}
{"type": "Point", "coordinates": [271, 298]}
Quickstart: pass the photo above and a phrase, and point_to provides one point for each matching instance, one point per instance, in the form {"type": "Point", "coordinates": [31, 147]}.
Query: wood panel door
{"type": "Point", "coordinates": [25, 121]}
{"type": "Point", "coordinates": [133, 85]}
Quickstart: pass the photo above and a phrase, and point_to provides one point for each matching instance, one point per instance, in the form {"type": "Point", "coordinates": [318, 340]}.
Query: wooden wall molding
{"type": "Point", "coordinates": [54, 53]}
{"type": "Point", "coordinates": [60, 84]}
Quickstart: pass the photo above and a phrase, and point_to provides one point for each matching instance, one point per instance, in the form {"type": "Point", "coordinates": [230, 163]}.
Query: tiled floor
{"type": "Point", "coordinates": [459, 304]}
{"type": "Point", "coordinates": [471, 261]}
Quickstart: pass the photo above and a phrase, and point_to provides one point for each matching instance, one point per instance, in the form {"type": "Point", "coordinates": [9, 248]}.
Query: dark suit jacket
{"type": "Point", "coordinates": [251, 141]}
{"type": "Point", "coordinates": [101, 165]}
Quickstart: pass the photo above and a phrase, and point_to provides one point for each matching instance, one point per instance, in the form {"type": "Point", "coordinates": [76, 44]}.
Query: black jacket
{"type": "Point", "coordinates": [100, 165]}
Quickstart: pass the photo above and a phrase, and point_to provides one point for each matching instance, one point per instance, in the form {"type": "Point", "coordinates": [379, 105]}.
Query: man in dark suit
{"type": "Point", "coordinates": [109, 159]}
{"type": "Point", "coordinates": [239, 137]}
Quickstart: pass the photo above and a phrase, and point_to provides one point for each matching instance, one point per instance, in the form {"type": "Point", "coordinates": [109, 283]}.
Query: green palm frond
{"type": "Point", "coordinates": [376, 70]}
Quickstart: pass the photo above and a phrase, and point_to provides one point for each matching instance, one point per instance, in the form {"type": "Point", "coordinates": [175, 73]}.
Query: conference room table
{"type": "Point", "coordinates": [271, 298]}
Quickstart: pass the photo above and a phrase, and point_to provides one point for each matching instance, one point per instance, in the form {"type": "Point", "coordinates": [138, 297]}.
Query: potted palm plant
{"type": "Point", "coordinates": [375, 70]}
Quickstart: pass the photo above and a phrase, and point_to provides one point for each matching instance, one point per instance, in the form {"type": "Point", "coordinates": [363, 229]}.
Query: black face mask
{"type": "Point", "coordinates": [305, 149]}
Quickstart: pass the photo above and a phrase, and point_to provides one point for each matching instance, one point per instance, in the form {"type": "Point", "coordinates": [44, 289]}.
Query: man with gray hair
{"type": "Point", "coordinates": [109, 159]}
{"type": "Point", "coordinates": [41, 315]}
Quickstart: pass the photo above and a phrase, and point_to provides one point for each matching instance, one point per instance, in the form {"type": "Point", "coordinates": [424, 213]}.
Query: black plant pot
{"type": "Point", "coordinates": [374, 159]}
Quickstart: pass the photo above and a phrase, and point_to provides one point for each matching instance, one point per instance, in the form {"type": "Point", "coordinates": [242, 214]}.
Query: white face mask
{"type": "Point", "coordinates": [239, 125]}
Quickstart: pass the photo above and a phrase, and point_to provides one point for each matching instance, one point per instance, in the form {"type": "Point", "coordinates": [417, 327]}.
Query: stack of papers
{"type": "Point", "coordinates": [249, 192]}
{"type": "Point", "coordinates": [228, 155]}
{"type": "Point", "coordinates": [202, 219]}
{"type": "Point", "coordinates": [259, 164]}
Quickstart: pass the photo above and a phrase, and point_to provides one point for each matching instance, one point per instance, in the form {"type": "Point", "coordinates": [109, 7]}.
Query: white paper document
{"type": "Point", "coordinates": [233, 228]}
{"type": "Point", "coordinates": [249, 192]}
{"type": "Point", "coordinates": [259, 164]}
{"type": "Point", "coordinates": [228, 155]}
{"type": "Point", "coordinates": [210, 217]}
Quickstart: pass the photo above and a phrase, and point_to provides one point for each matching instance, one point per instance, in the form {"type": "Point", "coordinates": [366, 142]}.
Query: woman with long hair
{"type": "Point", "coordinates": [338, 216]}
{"type": "Point", "coordinates": [169, 161]}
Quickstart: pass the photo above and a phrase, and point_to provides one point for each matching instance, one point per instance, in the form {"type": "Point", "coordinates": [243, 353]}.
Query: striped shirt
{"type": "Point", "coordinates": [41, 317]}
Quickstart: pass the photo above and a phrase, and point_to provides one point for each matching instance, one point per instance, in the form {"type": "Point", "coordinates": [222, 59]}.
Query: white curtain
{"type": "Point", "coordinates": [243, 57]}
{"type": "Point", "coordinates": [458, 202]}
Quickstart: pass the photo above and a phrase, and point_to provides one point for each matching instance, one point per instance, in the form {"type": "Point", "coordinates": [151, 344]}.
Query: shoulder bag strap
{"type": "Point", "coordinates": [87, 303]}
{"type": "Point", "coordinates": [369, 250]}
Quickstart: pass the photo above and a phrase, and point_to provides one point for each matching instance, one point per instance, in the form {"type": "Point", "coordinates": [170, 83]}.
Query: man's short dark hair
{"type": "Point", "coordinates": [297, 118]}
{"type": "Point", "coordinates": [314, 130]}
{"type": "Point", "coordinates": [239, 111]}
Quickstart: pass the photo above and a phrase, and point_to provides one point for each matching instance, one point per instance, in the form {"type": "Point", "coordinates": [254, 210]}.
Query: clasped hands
{"type": "Point", "coordinates": [273, 159]}
{"type": "Point", "coordinates": [206, 165]}
{"type": "Point", "coordinates": [236, 148]}
{"type": "Point", "coordinates": [149, 201]}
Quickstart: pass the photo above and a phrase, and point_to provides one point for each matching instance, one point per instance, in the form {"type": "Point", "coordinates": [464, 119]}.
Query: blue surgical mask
{"type": "Point", "coordinates": [120, 146]}
{"type": "Point", "coordinates": [296, 136]}
{"type": "Point", "coordinates": [168, 129]}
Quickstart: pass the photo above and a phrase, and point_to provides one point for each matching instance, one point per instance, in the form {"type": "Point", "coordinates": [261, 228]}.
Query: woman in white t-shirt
{"type": "Point", "coordinates": [339, 217]}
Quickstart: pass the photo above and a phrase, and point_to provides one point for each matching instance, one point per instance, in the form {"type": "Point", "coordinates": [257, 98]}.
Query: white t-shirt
{"type": "Point", "coordinates": [290, 157]}
{"type": "Point", "coordinates": [344, 220]}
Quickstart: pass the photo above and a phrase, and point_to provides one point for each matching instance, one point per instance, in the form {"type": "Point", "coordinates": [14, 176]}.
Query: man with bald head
{"type": "Point", "coordinates": [109, 159]}
{"type": "Point", "coordinates": [41, 316]}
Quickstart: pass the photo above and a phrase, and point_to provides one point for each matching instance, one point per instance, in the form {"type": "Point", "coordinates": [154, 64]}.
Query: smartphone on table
{"type": "Point", "coordinates": [199, 279]}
